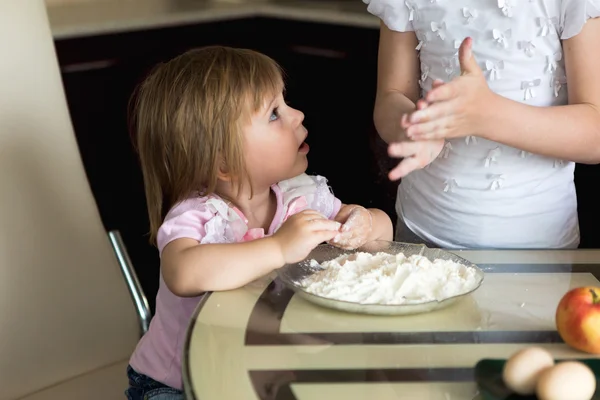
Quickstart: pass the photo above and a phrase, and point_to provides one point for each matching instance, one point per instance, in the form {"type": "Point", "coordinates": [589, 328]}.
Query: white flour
{"type": "Point", "coordinates": [384, 278]}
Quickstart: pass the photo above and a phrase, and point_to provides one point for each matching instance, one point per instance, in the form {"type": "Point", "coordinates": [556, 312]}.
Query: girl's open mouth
{"type": "Point", "coordinates": [303, 148]}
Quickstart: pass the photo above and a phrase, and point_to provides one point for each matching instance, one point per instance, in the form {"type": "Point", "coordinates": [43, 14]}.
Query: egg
{"type": "Point", "coordinates": [521, 371]}
{"type": "Point", "coordinates": [568, 380]}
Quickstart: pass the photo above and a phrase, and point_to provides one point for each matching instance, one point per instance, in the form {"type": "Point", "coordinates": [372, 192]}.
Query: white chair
{"type": "Point", "coordinates": [67, 320]}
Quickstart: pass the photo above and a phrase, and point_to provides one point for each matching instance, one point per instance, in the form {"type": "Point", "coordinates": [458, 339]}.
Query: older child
{"type": "Point", "coordinates": [497, 99]}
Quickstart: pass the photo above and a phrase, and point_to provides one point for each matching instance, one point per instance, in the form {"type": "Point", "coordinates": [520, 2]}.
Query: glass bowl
{"type": "Point", "coordinates": [293, 274]}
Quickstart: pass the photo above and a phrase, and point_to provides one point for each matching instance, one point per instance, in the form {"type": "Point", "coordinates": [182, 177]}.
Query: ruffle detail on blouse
{"type": "Point", "coordinates": [227, 226]}
{"type": "Point", "coordinates": [397, 15]}
{"type": "Point", "coordinates": [575, 14]}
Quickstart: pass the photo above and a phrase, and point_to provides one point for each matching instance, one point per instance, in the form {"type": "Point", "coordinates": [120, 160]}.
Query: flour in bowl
{"type": "Point", "coordinates": [384, 278]}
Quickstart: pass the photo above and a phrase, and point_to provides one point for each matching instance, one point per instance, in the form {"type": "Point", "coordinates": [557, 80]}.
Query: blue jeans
{"type": "Point", "coordinates": [142, 387]}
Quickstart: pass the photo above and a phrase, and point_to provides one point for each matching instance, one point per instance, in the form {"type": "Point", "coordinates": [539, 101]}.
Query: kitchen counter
{"type": "Point", "coordinates": [112, 16]}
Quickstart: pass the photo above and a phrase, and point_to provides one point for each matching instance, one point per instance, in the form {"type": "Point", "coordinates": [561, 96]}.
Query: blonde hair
{"type": "Point", "coordinates": [186, 120]}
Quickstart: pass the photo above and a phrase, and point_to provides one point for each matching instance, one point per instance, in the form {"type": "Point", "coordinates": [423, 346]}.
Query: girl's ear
{"type": "Point", "coordinates": [223, 173]}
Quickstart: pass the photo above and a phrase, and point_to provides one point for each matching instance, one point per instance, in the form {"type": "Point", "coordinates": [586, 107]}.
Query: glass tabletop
{"type": "Point", "coordinates": [263, 342]}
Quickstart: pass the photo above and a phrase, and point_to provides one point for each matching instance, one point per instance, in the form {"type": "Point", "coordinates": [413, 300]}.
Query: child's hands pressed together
{"type": "Point", "coordinates": [302, 232]}
{"type": "Point", "coordinates": [454, 108]}
{"type": "Point", "coordinates": [357, 224]}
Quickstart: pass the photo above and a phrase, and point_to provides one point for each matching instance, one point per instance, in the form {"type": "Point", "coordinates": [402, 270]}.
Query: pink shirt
{"type": "Point", "coordinates": [210, 219]}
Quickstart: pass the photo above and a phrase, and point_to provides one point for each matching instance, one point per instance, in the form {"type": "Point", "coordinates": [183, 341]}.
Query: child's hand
{"type": "Point", "coordinates": [302, 232]}
{"type": "Point", "coordinates": [454, 108]}
{"type": "Point", "coordinates": [357, 224]}
{"type": "Point", "coordinates": [418, 154]}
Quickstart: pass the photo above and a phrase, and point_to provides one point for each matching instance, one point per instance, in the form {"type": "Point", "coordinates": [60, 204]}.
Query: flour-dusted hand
{"type": "Point", "coordinates": [302, 232]}
{"type": "Point", "coordinates": [454, 107]}
{"type": "Point", "coordinates": [357, 223]}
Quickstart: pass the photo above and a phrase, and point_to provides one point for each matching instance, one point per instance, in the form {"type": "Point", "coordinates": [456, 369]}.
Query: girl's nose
{"type": "Point", "coordinates": [298, 116]}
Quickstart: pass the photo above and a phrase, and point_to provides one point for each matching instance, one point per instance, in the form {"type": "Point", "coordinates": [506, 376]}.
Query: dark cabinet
{"type": "Point", "coordinates": [587, 178]}
{"type": "Point", "coordinates": [97, 96]}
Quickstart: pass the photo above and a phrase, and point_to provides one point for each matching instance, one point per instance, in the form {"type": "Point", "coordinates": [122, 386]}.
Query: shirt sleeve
{"type": "Point", "coordinates": [395, 14]}
{"type": "Point", "coordinates": [188, 221]}
{"type": "Point", "coordinates": [574, 15]}
{"type": "Point", "coordinates": [323, 200]}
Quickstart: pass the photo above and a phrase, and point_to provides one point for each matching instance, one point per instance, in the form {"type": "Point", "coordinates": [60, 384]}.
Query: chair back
{"type": "Point", "coordinates": [64, 306]}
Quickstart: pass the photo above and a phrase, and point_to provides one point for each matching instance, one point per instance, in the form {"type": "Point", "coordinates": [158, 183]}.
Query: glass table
{"type": "Point", "coordinates": [263, 342]}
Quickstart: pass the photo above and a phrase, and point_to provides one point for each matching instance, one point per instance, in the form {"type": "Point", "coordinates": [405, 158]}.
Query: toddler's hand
{"type": "Point", "coordinates": [356, 228]}
{"type": "Point", "coordinates": [302, 232]}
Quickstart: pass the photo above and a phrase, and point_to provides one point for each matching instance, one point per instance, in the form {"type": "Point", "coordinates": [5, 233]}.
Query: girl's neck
{"type": "Point", "coordinates": [259, 209]}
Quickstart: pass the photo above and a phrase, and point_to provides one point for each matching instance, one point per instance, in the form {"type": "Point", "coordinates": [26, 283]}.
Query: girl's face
{"type": "Point", "coordinates": [274, 146]}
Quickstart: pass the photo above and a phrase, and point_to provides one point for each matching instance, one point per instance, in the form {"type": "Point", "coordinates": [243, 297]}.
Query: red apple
{"type": "Point", "coordinates": [578, 319]}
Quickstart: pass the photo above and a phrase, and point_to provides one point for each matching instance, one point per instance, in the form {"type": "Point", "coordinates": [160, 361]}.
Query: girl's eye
{"type": "Point", "coordinates": [274, 115]}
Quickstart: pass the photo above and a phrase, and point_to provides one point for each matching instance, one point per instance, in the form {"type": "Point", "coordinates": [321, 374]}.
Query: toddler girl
{"type": "Point", "coordinates": [224, 159]}
{"type": "Point", "coordinates": [497, 99]}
